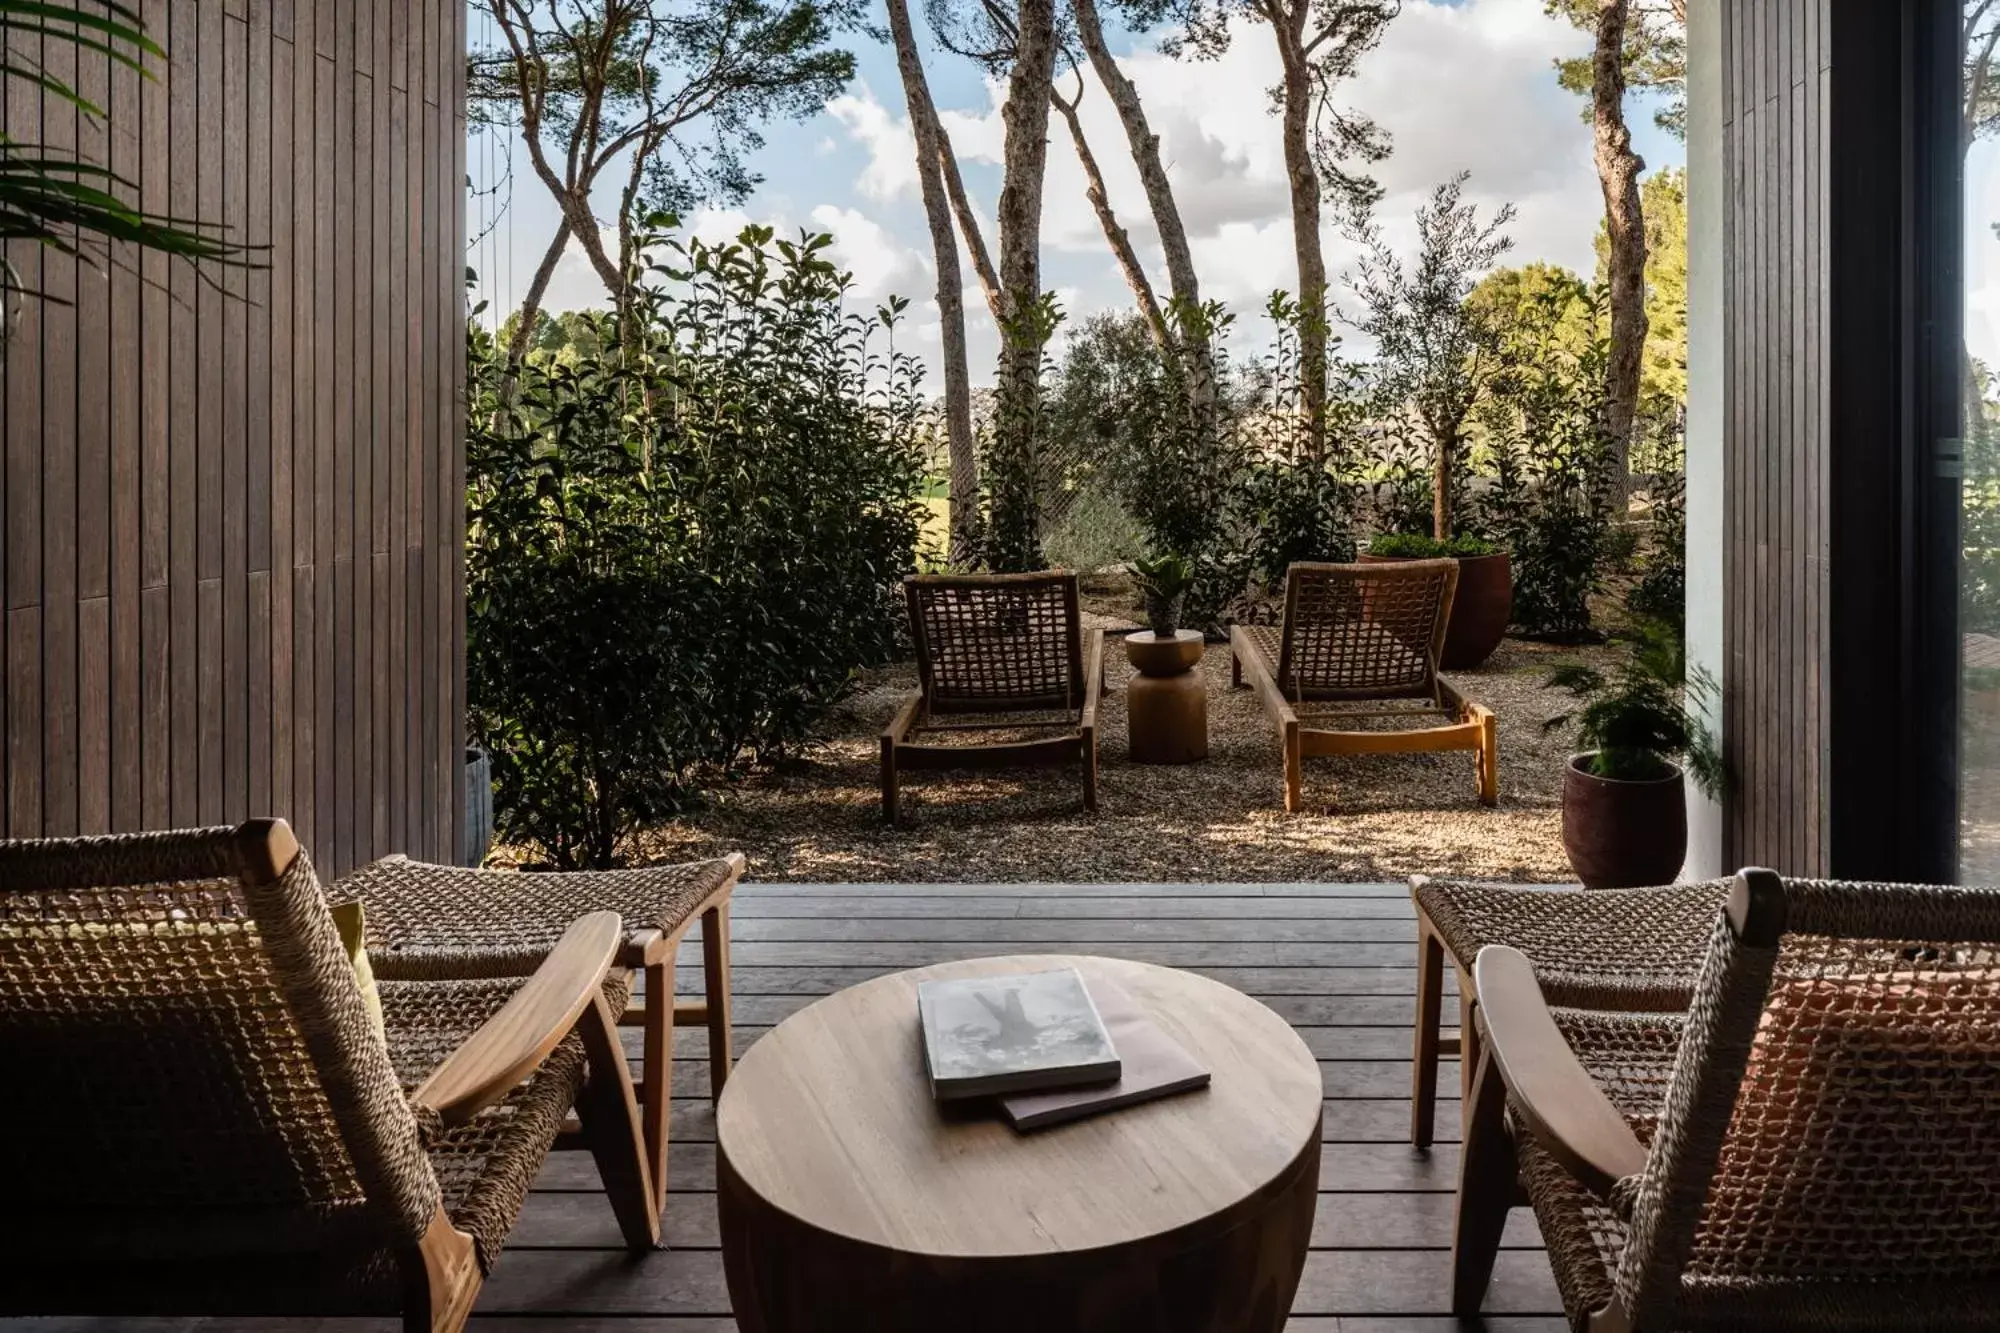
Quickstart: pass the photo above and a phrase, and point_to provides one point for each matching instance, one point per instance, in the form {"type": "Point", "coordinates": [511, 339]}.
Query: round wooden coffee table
{"type": "Point", "coordinates": [850, 1201]}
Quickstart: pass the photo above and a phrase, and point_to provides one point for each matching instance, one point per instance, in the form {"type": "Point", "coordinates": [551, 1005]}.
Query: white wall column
{"type": "Point", "coordinates": [1706, 330]}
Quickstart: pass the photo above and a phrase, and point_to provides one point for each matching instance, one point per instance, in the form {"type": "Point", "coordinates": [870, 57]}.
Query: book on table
{"type": "Point", "coordinates": [986, 1036]}
{"type": "Point", "coordinates": [1154, 1065]}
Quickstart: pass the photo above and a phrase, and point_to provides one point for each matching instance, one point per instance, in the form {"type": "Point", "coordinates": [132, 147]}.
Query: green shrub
{"type": "Point", "coordinates": [1551, 499]}
{"type": "Point", "coordinates": [1661, 590]}
{"type": "Point", "coordinates": [682, 545]}
{"type": "Point", "coordinates": [1423, 546]}
{"type": "Point", "coordinates": [1645, 714]}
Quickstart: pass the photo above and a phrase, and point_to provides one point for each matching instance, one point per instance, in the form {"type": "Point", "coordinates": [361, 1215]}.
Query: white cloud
{"type": "Point", "coordinates": [892, 152]}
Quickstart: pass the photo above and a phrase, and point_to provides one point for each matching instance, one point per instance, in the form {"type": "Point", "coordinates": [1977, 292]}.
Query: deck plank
{"type": "Point", "coordinates": [1336, 961]}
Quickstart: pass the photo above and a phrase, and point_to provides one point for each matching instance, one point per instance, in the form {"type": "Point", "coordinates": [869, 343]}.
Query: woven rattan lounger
{"type": "Point", "coordinates": [204, 1121]}
{"type": "Point", "coordinates": [1814, 1146]}
{"type": "Point", "coordinates": [1362, 642]}
{"type": "Point", "coordinates": [428, 922]}
{"type": "Point", "coordinates": [997, 652]}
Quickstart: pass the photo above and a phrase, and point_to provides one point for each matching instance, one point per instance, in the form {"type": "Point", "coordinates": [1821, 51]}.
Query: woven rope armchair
{"type": "Point", "coordinates": [1362, 642]}
{"type": "Point", "coordinates": [203, 1120]}
{"type": "Point", "coordinates": [432, 922]}
{"type": "Point", "coordinates": [996, 652]}
{"type": "Point", "coordinates": [1815, 1145]}
{"type": "Point", "coordinates": [1631, 949]}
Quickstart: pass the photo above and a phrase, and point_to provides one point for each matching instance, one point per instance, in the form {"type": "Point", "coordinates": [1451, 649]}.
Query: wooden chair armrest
{"type": "Point", "coordinates": [1552, 1092]}
{"type": "Point", "coordinates": [513, 1043]}
{"type": "Point", "coordinates": [905, 718]}
{"type": "Point", "coordinates": [1093, 676]}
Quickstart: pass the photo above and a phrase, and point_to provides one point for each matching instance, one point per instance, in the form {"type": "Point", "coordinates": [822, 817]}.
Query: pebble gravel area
{"type": "Point", "coordinates": [819, 818]}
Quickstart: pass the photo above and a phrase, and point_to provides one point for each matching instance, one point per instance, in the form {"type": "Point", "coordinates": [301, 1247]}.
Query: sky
{"type": "Point", "coordinates": [1465, 86]}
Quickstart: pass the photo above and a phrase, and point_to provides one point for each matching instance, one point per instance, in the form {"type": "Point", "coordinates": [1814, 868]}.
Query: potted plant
{"type": "Point", "coordinates": [1484, 602]}
{"type": "Point", "coordinates": [1625, 795]}
{"type": "Point", "coordinates": [1164, 579]}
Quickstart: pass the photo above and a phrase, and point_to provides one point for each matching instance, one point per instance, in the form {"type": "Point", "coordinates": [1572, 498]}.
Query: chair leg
{"type": "Point", "coordinates": [1470, 1044]}
{"type": "Point", "coordinates": [1424, 1057]}
{"type": "Point", "coordinates": [611, 1124]}
{"type": "Point", "coordinates": [440, 1279]}
{"type": "Point", "coordinates": [1294, 769]}
{"type": "Point", "coordinates": [656, 1079]}
{"type": "Point", "coordinates": [1090, 771]}
{"type": "Point", "coordinates": [715, 984]}
{"type": "Point", "coordinates": [1489, 760]}
{"type": "Point", "coordinates": [1487, 1175]}
{"type": "Point", "coordinates": [1235, 671]}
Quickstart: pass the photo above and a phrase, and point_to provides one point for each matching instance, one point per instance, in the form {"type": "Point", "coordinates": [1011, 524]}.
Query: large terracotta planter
{"type": "Point", "coordinates": [1480, 610]}
{"type": "Point", "coordinates": [1623, 835]}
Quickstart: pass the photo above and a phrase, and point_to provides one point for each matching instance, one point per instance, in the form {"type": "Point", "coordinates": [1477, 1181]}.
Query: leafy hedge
{"type": "Point", "coordinates": [684, 542]}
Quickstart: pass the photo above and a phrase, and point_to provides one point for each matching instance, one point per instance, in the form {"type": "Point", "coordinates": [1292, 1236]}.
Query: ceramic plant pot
{"type": "Point", "coordinates": [1621, 834]}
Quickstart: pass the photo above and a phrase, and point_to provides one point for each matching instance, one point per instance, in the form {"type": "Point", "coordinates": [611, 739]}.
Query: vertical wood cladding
{"type": "Point", "coordinates": [1775, 559]}
{"type": "Point", "coordinates": [231, 534]}
{"type": "Point", "coordinates": [1843, 366]}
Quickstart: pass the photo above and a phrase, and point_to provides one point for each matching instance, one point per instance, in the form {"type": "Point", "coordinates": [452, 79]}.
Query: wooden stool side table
{"type": "Point", "coordinates": [1166, 704]}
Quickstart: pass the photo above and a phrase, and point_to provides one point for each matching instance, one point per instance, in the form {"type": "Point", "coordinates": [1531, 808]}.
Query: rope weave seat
{"type": "Point", "coordinates": [1820, 1144]}
{"type": "Point", "coordinates": [204, 1119]}
{"type": "Point", "coordinates": [429, 921]}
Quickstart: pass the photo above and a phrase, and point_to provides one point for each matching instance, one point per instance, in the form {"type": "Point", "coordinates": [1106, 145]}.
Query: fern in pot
{"type": "Point", "coordinates": [1164, 579]}
{"type": "Point", "coordinates": [1643, 735]}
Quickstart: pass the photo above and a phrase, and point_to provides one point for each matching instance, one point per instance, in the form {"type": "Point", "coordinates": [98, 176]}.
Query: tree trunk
{"type": "Point", "coordinates": [968, 227]}
{"type": "Point", "coordinates": [1303, 178]}
{"type": "Point", "coordinates": [1618, 169]}
{"type": "Point", "coordinates": [1115, 234]}
{"type": "Point", "coordinates": [1145, 154]}
{"type": "Point", "coordinates": [1145, 145]}
{"type": "Point", "coordinates": [1016, 524]}
{"type": "Point", "coordinates": [531, 304]}
{"type": "Point", "coordinates": [960, 448]}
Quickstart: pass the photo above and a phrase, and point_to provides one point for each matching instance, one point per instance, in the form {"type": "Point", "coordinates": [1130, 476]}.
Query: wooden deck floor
{"type": "Point", "coordinates": [1335, 960]}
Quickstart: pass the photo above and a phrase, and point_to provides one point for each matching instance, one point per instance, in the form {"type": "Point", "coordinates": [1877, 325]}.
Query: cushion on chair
{"type": "Point", "coordinates": [348, 920]}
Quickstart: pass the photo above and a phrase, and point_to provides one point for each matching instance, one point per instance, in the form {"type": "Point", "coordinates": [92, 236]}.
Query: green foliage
{"type": "Point", "coordinates": [1979, 507]}
{"type": "Point", "coordinates": [1436, 349]}
{"type": "Point", "coordinates": [1423, 546]}
{"type": "Point", "coordinates": [1655, 54]}
{"type": "Point", "coordinates": [1550, 502]}
{"type": "Point", "coordinates": [1296, 496]}
{"type": "Point", "coordinates": [53, 197]}
{"type": "Point", "coordinates": [1094, 531]}
{"type": "Point", "coordinates": [1661, 590]}
{"type": "Point", "coordinates": [1168, 574]}
{"type": "Point", "coordinates": [1645, 714]}
{"type": "Point", "coordinates": [682, 545]}
{"type": "Point", "coordinates": [678, 89]}
{"type": "Point", "coordinates": [1663, 371]}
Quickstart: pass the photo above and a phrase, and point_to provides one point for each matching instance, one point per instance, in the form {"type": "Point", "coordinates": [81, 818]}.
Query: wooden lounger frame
{"type": "Point", "coordinates": [1356, 635]}
{"type": "Point", "coordinates": [989, 648]}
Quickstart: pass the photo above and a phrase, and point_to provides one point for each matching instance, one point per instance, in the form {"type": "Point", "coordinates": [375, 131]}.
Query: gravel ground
{"type": "Point", "coordinates": [1364, 819]}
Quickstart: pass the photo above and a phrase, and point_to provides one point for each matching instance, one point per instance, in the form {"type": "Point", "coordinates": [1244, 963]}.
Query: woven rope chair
{"type": "Point", "coordinates": [430, 922]}
{"type": "Point", "coordinates": [201, 1117]}
{"type": "Point", "coordinates": [1815, 1145]}
{"type": "Point", "coordinates": [1362, 641]}
{"type": "Point", "coordinates": [1630, 949]}
{"type": "Point", "coordinates": [993, 652]}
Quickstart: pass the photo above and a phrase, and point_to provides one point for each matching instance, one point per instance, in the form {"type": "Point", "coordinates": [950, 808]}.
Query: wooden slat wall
{"type": "Point", "coordinates": [231, 535]}
{"type": "Point", "coordinates": [1777, 70]}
